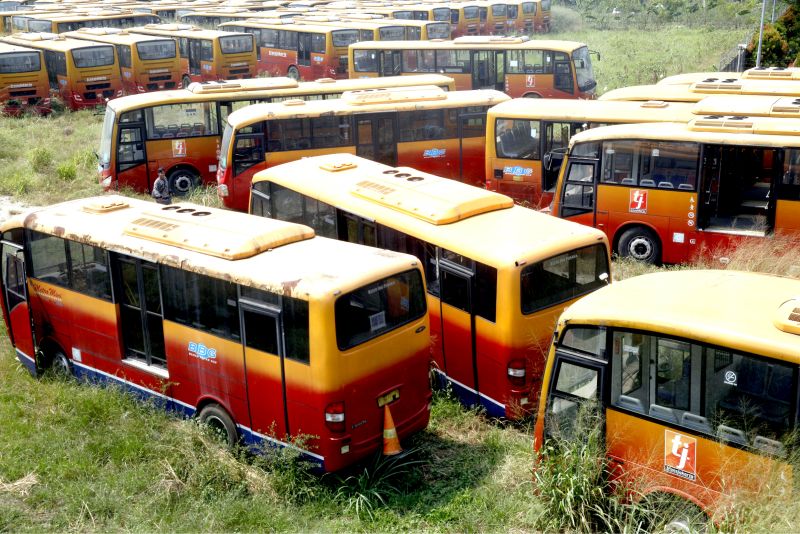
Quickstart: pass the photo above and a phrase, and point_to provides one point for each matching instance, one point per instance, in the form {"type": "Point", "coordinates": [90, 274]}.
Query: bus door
{"type": "Point", "coordinates": [131, 161]}
{"type": "Point", "coordinates": [390, 63]}
{"type": "Point", "coordinates": [264, 367]}
{"type": "Point", "coordinates": [458, 325]}
{"type": "Point", "coordinates": [376, 138]}
{"type": "Point", "coordinates": [472, 138]}
{"type": "Point", "coordinates": [578, 192]}
{"type": "Point", "coordinates": [141, 318]}
{"type": "Point", "coordinates": [15, 298]}
{"type": "Point", "coordinates": [484, 70]}
{"type": "Point", "coordinates": [195, 46]}
{"type": "Point", "coordinates": [304, 49]}
{"type": "Point", "coordinates": [575, 382]}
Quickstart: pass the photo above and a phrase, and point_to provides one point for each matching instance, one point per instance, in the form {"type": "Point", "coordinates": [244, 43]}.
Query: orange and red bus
{"type": "Point", "coordinates": [526, 138]}
{"type": "Point", "coordinates": [493, 296]}
{"type": "Point", "coordinates": [208, 54]}
{"type": "Point", "coordinates": [433, 130]}
{"type": "Point", "coordinates": [222, 316]}
{"type": "Point", "coordinates": [146, 63]}
{"type": "Point", "coordinates": [516, 65]}
{"type": "Point", "coordinates": [692, 379]}
{"type": "Point", "coordinates": [82, 74]}
{"type": "Point", "coordinates": [23, 80]}
{"type": "Point", "coordinates": [383, 29]}
{"type": "Point", "coordinates": [670, 192]}
{"type": "Point", "coordinates": [180, 130]}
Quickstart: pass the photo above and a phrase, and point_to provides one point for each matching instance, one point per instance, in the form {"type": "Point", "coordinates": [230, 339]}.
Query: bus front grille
{"type": "Point", "coordinates": [29, 92]}
{"type": "Point", "coordinates": [160, 78]}
{"type": "Point", "coordinates": [98, 86]}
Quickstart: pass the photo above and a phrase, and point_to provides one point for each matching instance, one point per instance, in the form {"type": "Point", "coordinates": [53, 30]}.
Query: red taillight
{"type": "Point", "coordinates": [334, 417]}
{"type": "Point", "coordinates": [516, 372]}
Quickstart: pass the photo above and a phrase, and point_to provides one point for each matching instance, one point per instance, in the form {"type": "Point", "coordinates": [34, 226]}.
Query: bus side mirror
{"type": "Point", "coordinates": [603, 278]}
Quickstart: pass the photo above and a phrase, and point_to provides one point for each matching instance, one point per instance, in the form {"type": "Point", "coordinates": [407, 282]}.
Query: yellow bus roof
{"type": "Point", "coordinates": [750, 131]}
{"type": "Point", "coordinates": [283, 24]}
{"type": "Point", "coordinates": [113, 36]}
{"type": "Point", "coordinates": [749, 105]}
{"type": "Point", "coordinates": [593, 110]}
{"type": "Point", "coordinates": [688, 78]}
{"type": "Point", "coordinates": [756, 73]}
{"type": "Point", "coordinates": [255, 88]}
{"type": "Point", "coordinates": [480, 224]}
{"type": "Point", "coordinates": [736, 310]}
{"type": "Point", "coordinates": [395, 99]}
{"type": "Point", "coordinates": [49, 41]}
{"type": "Point", "coordinates": [156, 233]}
{"type": "Point", "coordinates": [181, 30]}
{"type": "Point", "coordinates": [477, 42]}
{"type": "Point", "coordinates": [699, 90]}
{"type": "Point", "coordinates": [6, 48]}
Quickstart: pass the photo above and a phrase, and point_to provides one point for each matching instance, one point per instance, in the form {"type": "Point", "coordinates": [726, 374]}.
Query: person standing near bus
{"type": "Point", "coordinates": [161, 192]}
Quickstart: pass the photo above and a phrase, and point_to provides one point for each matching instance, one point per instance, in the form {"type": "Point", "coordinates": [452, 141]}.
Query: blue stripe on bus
{"type": "Point", "coordinates": [466, 395]}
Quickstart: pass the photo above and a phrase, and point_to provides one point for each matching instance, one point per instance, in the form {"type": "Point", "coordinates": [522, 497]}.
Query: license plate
{"type": "Point", "coordinates": [389, 398]}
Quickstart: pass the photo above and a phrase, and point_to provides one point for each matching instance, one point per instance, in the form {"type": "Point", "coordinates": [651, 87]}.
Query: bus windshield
{"type": "Point", "coordinates": [149, 50]}
{"type": "Point", "coordinates": [365, 60]}
{"type": "Point", "coordinates": [345, 37]}
{"type": "Point", "coordinates": [16, 62]}
{"type": "Point", "coordinates": [236, 44]}
{"type": "Point", "coordinates": [439, 31]}
{"type": "Point", "coordinates": [441, 13]}
{"type": "Point", "coordinates": [96, 56]}
{"type": "Point", "coordinates": [39, 25]}
{"type": "Point", "coordinates": [392, 33]}
{"type": "Point", "coordinates": [583, 69]}
{"type": "Point", "coordinates": [562, 278]}
{"type": "Point", "coordinates": [380, 307]}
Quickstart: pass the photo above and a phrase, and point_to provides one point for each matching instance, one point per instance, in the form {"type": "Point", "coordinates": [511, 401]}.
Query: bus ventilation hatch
{"type": "Point", "coordinates": [788, 317]}
{"type": "Point", "coordinates": [106, 205]}
{"type": "Point", "coordinates": [429, 198]}
{"type": "Point", "coordinates": [722, 124]}
{"type": "Point", "coordinates": [214, 232]}
{"type": "Point", "coordinates": [401, 94]}
{"type": "Point", "coordinates": [723, 85]}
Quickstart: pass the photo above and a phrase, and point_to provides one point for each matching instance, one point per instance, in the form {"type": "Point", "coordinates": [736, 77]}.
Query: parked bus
{"type": "Point", "coordinates": [694, 377]}
{"type": "Point", "coordinates": [165, 12]}
{"type": "Point", "coordinates": [23, 80]}
{"type": "Point", "coordinates": [181, 130]}
{"type": "Point", "coordinates": [516, 65]}
{"type": "Point", "coordinates": [82, 74]}
{"type": "Point", "coordinates": [383, 29]}
{"type": "Point", "coordinates": [493, 295]}
{"type": "Point", "coordinates": [671, 192]}
{"type": "Point", "coordinates": [433, 130]}
{"type": "Point", "coordinates": [756, 73]}
{"type": "Point", "coordinates": [65, 22]}
{"type": "Point", "coordinates": [146, 63]}
{"type": "Point", "coordinates": [526, 138]}
{"type": "Point", "coordinates": [221, 315]}
{"type": "Point", "coordinates": [700, 90]}
{"type": "Point", "coordinates": [208, 54]}
{"type": "Point", "coordinates": [749, 105]}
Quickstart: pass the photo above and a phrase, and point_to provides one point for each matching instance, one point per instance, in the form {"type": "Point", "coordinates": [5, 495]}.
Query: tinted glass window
{"type": "Point", "coordinates": [15, 62]}
{"type": "Point", "coordinates": [124, 55]}
{"type": "Point", "coordinates": [89, 270]}
{"type": "Point", "coordinates": [261, 331]}
{"type": "Point", "coordinates": [455, 290]}
{"type": "Point", "coordinates": [340, 38]}
{"type": "Point", "coordinates": [95, 56]}
{"type": "Point", "coordinates": [176, 121]}
{"type": "Point", "coordinates": [295, 329]}
{"type": "Point", "coordinates": [200, 302]}
{"type": "Point", "coordinates": [150, 50]}
{"type": "Point", "coordinates": [49, 258]}
{"type": "Point", "coordinates": [518, 138]}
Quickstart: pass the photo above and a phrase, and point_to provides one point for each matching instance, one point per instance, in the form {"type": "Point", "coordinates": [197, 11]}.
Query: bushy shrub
{"type": "Point", "coordinates": [40, 159]}
{"type": "Point", "coordinates": [67, 171]}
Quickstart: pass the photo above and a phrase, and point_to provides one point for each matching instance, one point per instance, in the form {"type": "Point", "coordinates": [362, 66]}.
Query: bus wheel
{"type": "Point", "coordinates": [220, 423]}
{"type": "Point", "coordinates": [293, 73]}
{"type": "Point", "coordinates": [185, 81]}
{"type": "Point", "coordinates": [182, 181]}
{"type": "Point", "coordinates": [640, 244]}
{"type": "Point", "coordinates": [532, 95]}
{"type": "Point", "coordinates": [56, 363]}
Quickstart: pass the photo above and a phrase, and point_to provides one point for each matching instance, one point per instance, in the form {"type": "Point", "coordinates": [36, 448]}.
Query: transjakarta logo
{"type": "Point", "coordinates": [198, 350]}
{"type": "Point", "coordinates": [518, 171]}
{"type": "Point", "coordinates": [638, 202]}
{"type": "Point", "coordinates": [680, 455]}
{"type": "Point", "coordinates": [279, 54]}
{"type": "Point", "coordinates": [434, 153]}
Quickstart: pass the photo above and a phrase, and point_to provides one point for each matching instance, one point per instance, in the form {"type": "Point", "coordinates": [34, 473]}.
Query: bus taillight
{"type": "Point", "coordinates": [334, 417]}
{"type": "Point", "coordinates": [516, 372]}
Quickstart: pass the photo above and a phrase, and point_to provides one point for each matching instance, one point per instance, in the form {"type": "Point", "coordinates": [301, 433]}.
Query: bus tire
{"type": "Point", "coordinates": [185, 81]}
{"type": "Point", "coordinates": [55, 362]}
{"type": "Point", "coordinates": [531, 95]}
{"type": "Point", "coordinates": [641, 244]}
{"type": "Point", "coordinates": [293, 73]}
{"type": "Point", "coordinates": [182, 181]}
{"type": "Point", "coordinates": [220, 423]}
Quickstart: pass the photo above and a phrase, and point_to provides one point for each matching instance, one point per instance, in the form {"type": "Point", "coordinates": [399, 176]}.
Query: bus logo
{"type": "Point", "coordinates": [518, 171]}
{"type": "Point", "coordinates": [178, 148]}
{"type": "Point", "coordinates": [434, 153]}
{"type": "Point", "coordinates": [680, 455]}
{"type": "Point", "coordinates": [530, 80]}
{"type": "Point", "coordinates": [198, 350]}
{"type": "Point", "coordinates": [638, 201]}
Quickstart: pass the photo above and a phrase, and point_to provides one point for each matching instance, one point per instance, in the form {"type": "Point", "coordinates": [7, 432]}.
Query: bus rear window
{"type": "Point", "coordinates": [150, 50]}
{"type": "Point", "coordinates": [95, 56]}
{"type": "Point", "coordinates": [236, 44]}
{"type": "Point", "coordinates": [16, 62]}
{"type": "Point", "coordinates": [562, 278]}
{"type": "Point", "coordinates": [439, 31]}
{"type": "Point", "coordinates": [392, 33]}
{"type": "Point", "coordinates": [40, 25]}
{"type": "Point", "coordinates": [341, 38]}
{"type": "Point", "coordinates": [365, 60]}
{"type": "Point", "coordinates": [380, 307]}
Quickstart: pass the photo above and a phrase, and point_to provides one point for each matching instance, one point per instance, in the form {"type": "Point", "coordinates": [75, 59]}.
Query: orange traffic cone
{"type": "Point", "coordinates": [391, 445]}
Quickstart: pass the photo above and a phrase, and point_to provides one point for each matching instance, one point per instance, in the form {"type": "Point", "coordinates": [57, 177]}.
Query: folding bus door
{"type": "Point", "coordinates": [15, 298]}
{"type": "Point", "coordinates": [376, 138]}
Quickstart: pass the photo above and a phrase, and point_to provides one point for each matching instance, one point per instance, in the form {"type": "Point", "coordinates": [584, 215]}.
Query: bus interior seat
{"type": "Point", "coordinates": [731, 435]}
{"type": "Point", "coordinates": [647, 182]}
{"type": "Point", "coordinates": [630, 403]}
{"type": "Point", "coordinates": [168, 135]}
{"type": "Point", "coordinates": [273, 145]}
{"type": "Point", "coordinates": [769, 446]}
{"type": "Point", "coordinates": [685, 187]}
{"type": "Point", "coordinates": [303, 143]}
{"type": "Point", "coordinates": [664, 413]}
{"type": "Point", "coordinates": [695, 422]}
{"type": "Point", "coordinates": [666, 185]}
{"type": "Point", "coordinates": [628, 181]}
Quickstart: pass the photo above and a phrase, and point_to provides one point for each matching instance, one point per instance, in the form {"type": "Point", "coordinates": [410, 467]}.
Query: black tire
{"type": "Point", "coordinates": [641, 244]}
{"type": "Point", "coordinates": [56, 364]}
{"type": "Point", "coordinates": [293, 73]}
{"type": "Point", "coordinates": [185, 81]}
{"type": "Point", "coordinates": [532, 95]}
{"type": "Point", "coordinates": [220, 423]}
{"type": "Point", "coordinates": [182, 181]}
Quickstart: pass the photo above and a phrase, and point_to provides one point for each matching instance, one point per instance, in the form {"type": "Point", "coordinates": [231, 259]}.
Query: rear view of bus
{"type": "Point", "coordinates": [694, 377]}
{"type": "Point", "coordinates": [23, 81]}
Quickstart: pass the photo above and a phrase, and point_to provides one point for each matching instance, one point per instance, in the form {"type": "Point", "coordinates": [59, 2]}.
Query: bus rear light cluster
{"type": "Point", "coordinates": [516, 372]}
{"type": "Point", "coordinates": [334, 417]}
